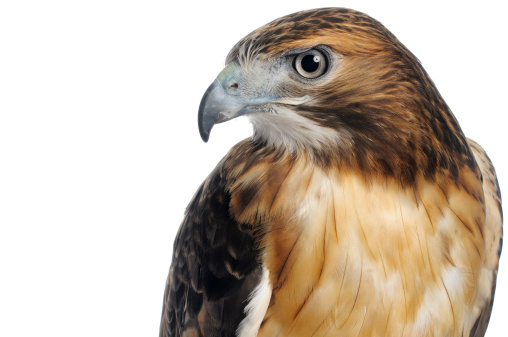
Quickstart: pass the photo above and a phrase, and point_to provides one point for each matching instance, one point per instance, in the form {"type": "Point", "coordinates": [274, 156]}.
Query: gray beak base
{"type": "Point", "coordinates": [218, 106]}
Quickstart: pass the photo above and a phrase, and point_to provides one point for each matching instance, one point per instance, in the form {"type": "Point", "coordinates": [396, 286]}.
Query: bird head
{"type": "Point", "coordinates": [336, 84]}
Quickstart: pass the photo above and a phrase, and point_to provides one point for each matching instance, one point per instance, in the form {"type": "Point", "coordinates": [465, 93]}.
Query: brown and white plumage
{"type": "Point", "coordinates": [358, 207]}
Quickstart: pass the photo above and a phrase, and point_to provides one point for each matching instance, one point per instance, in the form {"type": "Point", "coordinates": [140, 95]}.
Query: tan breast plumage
{"type": "Point", "coordinates": [352, 256]}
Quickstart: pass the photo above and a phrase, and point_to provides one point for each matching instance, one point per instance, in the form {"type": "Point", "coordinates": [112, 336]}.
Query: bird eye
{"type": "Point", "coordinates": [311, 64]}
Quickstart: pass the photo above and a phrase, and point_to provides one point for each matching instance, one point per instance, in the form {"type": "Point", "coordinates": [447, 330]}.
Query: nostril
{"type": "Point", "coordinates": [233, 87]}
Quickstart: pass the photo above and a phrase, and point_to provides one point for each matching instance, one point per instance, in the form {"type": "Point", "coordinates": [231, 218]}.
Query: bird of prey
{"type": "Point", "coordinates": [357, 208]}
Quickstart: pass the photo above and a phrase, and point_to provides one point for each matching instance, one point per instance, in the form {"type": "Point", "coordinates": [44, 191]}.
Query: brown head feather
{"type": "Point", "coordinates": [380, 95]}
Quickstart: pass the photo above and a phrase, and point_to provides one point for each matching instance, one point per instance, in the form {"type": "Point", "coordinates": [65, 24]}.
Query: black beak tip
{"type": "Point", "coordinates": [205, 121]}
{"type": "Point", "coordinates": [205, 135]}
{"type": "Point", "coordinates": [207, 114]}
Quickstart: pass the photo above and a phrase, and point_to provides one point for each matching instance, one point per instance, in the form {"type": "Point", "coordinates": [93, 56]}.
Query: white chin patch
{"type": "Point", "coordinates": [259, 300]}
{"type": "Point", "coordinates": [287, 129]}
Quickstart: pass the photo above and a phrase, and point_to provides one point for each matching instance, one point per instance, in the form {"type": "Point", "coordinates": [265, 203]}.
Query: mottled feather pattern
{"type": "Point", "coordinates": [493, 239]}
{"type": "Point", "coordinates": [365, 208]}
{"type": "Point", "coordinates": [214, 268]}
{"type": "Point", "coordinates": [304, 255]}
{"type": "Point", "coordinates": [380, 95]}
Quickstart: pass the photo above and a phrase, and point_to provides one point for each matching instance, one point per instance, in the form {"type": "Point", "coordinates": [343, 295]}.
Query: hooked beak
{"type": "Point", "coordinates": [223, 100]}
{"type": "Point", "coordinates": [218, 106]}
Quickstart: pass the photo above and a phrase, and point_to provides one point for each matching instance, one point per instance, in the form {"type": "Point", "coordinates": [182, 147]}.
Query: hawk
{"type": "Point", "coordinates": [357, 208]}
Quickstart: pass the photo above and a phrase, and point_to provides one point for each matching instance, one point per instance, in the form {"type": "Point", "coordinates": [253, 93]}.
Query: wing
{"type": "Point", "coordinates": [214, 267]}
{"type": "Point", "coordinates": [493, 234]}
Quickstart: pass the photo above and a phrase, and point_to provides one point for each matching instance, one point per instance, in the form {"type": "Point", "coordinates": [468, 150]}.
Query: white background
{"type": "Point", "coordinates": [100, 151]}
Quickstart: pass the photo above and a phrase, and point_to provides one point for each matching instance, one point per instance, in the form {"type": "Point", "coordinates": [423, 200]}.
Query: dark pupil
{"type": "Point", "coordinates": [308, 63]}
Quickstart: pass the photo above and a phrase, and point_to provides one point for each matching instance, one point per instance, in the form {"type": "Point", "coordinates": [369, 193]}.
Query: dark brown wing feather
{"type": "Point", "coordinates": [214, 267]}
